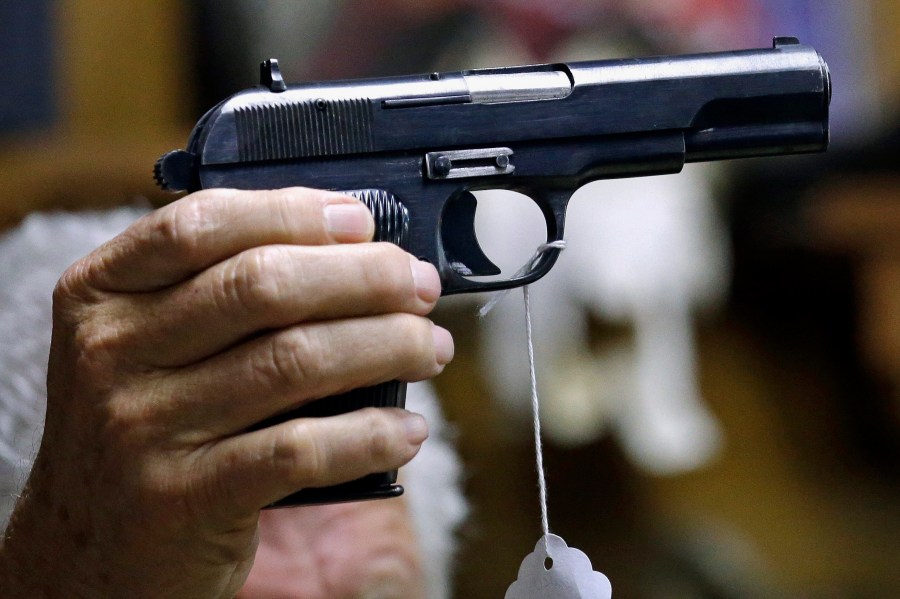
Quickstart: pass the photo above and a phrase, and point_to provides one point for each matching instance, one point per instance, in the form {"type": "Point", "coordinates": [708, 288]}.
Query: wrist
{"type": "Point", "coordinates": [33, 562]}
{"type": "Point", "coordinates": [15, 571]}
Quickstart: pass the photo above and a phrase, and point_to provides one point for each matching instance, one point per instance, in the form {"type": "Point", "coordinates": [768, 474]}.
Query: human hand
{"type": "Point", "coordinates": [169, 342]}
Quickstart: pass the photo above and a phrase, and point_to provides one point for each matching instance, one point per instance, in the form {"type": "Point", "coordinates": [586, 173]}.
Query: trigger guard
{"type": "Point", "coordinates": [463, 252]}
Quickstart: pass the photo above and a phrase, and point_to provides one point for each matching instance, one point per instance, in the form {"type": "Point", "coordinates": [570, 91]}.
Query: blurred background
{"type": "Point", "coordinates": [723, 419]}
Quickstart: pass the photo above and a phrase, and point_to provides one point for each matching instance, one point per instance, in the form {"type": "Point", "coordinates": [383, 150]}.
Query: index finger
{"type": "Point", "coordinates": [179, 240]}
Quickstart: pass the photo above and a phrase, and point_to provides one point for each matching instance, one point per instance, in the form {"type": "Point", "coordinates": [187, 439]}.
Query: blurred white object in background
{"type": "Point", "coordinates": [646, 252]}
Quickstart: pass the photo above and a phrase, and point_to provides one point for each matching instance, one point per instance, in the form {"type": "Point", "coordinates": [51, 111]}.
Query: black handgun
{"type": "Point", "coordinates": [414, 148]}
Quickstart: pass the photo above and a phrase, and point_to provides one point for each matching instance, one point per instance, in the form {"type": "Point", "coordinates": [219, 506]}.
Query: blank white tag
{"type": "Point", "coordinates": [556, 571]}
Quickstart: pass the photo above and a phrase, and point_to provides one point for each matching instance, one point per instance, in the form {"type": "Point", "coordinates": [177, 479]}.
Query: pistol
{"type": "Point", "coordinates": [414, 148]}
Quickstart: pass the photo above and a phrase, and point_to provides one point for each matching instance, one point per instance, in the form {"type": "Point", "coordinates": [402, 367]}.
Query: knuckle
{"type": "Point", "coordinates": [126, 451]}
{"type": "Point", "coordinates": [119, 428]}
{"type": "Point", "coordinates": [293, 360]}
{"type": "Point", "coordinates": [86, 318]}
{"type": "Point", "coordinates": [130, 420]}
{"type": "Point", "coordinates": [415, 331]}
{"type": "Point", "coordinates": [415, 345]}
{"type": "Point", "coordinates": [381, 436]}
{"type": "Point", "coordinates": [75, 284]}
{"type": "Point", "coordinates": [96, 339]}
{"type": "Point", "coordinates": [297, 455]}
{"type": "Point", "coordinates": [162, 484]}
{"type": "Point", "coordinates": [390, 253]}
{"type": "Point", "coordinates": [254, 281]}
{"type": "Point", "coordinates": [387, 271]}
{"type": "Point", "coordinates": [282, 206]}
{"type": "Point", "coordinates": [384, 271]}
{"type": "Point", "coordinates": [97, 351]}
{"type": "Point", "coordinates": [181, 225]}
{"type": "Point", "coordinates": [70, 284]}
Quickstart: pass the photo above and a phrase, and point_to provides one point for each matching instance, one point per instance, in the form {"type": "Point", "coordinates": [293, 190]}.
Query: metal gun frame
{"type": "Point", "coordinates": [414, 148]}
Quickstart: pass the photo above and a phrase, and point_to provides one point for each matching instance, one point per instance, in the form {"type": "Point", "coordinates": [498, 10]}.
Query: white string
{"type": "Point", "coordinates": [535, 409]}
{"type": "Point", "coordinates": [541, 250]}
{"type": "Point", "coordinates": [535, 403]}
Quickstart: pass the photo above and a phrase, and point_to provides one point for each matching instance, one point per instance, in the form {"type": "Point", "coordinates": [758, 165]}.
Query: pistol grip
{"type": "Point", "coordinates": [392, 225]}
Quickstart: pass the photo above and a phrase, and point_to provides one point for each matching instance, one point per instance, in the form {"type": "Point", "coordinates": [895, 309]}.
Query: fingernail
{"type": "Point", "coordinates": [443, 345]}
{"type": "Point", "coordinates": [348, 221]}
{"type": "Point", "coordinates": [426, 279]}
{"type": "Point", "coordinates": [415, 427]}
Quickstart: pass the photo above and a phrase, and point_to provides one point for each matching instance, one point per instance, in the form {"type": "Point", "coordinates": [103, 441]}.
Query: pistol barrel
{"type": "Point", "coordinates": [732, 104]}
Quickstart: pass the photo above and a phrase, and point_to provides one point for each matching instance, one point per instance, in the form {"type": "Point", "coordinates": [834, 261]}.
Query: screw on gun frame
{"type": "Point", "coordinates": [459, 164]}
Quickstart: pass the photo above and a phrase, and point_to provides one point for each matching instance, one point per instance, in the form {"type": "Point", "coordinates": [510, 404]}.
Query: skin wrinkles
{"type": "Point", "coordinates": [166, 350]}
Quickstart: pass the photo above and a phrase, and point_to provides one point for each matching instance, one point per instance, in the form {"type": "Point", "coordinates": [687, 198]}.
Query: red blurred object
{"type": "Point", "coordinates": [365, 31]}
{"type": "Point", "coordinates": [698, 24]}
{"type": "Point", "coordinates": [691, 25]}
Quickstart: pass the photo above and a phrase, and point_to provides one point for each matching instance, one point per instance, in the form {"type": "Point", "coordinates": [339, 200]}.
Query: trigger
{"type": "Point", "coordinates": [459, 240]}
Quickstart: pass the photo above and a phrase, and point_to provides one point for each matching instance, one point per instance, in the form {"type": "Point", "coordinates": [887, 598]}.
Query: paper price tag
{"type": "Point", "coordinates": [556, 571]}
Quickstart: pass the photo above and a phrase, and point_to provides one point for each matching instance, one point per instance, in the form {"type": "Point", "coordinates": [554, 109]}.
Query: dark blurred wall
{"type": "Point", "coordinates": [27, 73]}
{"type": "Point", "coordinates": [91, 93]}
